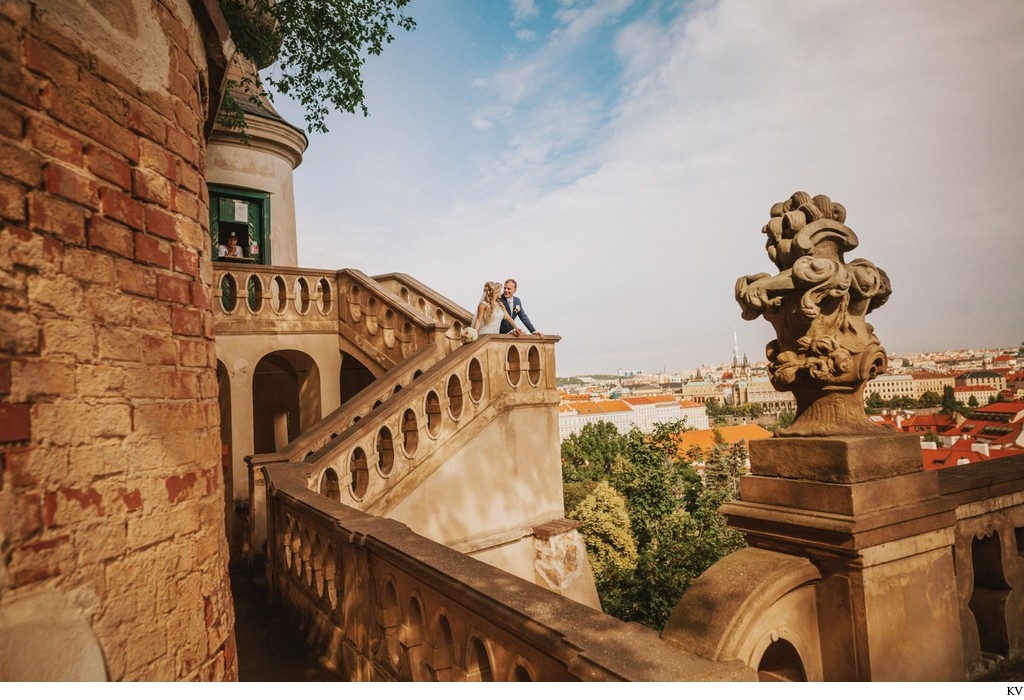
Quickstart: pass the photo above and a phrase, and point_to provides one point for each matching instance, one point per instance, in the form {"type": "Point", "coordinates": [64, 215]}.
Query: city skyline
{"type": "Point", "coordinates": [619, 159]}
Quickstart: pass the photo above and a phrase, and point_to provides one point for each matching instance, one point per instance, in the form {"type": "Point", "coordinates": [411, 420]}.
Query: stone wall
{"type": "Point", "coordinates": [114, 559]}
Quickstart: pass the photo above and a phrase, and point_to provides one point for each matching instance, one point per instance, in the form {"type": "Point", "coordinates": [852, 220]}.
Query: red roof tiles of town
{"type": "Point", "coordinates": [705, 439]}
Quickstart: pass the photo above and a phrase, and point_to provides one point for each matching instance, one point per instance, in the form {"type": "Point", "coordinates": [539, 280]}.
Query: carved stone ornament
{"type": "Point", "coordinates": [825, 351]}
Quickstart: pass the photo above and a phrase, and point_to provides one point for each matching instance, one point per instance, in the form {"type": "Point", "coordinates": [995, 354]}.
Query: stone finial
{"type": "Point", "coordinates": [825, 351]}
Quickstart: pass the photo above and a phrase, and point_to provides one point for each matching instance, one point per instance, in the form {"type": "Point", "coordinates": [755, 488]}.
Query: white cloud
{"type": "Point", "coordinates": [526, 35]}
{"type": "Point", "coordinates": [658, 203]}
{"type": "Point", "coordinates": [524, 9]}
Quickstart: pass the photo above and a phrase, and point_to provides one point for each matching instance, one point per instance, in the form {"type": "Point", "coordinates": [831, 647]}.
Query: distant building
{"type": "Point", "coordinates": [640, 412]}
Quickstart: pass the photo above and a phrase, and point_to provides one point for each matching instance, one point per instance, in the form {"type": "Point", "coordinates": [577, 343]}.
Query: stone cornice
{"type": "Point", "coordinates": [271, 136]}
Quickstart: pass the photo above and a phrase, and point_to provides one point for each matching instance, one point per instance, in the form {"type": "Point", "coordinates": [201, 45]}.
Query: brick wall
{"type": "Point", "coordinates": [111, 490]}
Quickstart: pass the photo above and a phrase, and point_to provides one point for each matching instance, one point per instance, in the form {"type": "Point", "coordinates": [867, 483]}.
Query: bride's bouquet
{"type": "Point", "coordinates": [469, 335]}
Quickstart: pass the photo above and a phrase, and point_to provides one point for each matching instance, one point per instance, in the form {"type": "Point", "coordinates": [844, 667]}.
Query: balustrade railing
{"type": "Point", "coordinates": [433, 416]}
{"type": "Point", "coordinates": [383, 603]}
{"type": "Point", "coordinates": [261, 298]}
{"type": "Point", "coordinates": [428, 301]}
{"type": "Point", "coordinates": [253, 299]}
{"type": "Point", "coordinates": [416, 419]}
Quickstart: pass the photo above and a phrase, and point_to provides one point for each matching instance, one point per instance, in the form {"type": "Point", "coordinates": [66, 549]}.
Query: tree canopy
{"type": "Point", "coordinates": [318, 49]}
{"type": "Point", "coordinates": [671, 516]}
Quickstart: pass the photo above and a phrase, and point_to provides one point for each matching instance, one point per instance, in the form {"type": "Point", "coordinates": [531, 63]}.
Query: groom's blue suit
{"type": "Point", "coordinates": [515, 311]}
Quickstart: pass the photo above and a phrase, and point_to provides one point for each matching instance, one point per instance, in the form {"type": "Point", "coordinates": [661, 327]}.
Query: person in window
{"type": "Point", "coordinates": [232, 249]}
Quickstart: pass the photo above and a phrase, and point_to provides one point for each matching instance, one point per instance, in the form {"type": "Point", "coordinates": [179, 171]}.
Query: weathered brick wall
{"type": "Point", "coordinates": [111, 492]}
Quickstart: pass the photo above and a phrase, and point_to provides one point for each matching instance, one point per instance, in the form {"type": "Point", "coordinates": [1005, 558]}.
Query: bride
{"type": "Point", "coordinates": [490, 312]}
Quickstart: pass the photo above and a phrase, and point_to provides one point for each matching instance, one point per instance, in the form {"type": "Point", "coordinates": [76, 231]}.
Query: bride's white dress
{"type": "Point", "coordinates": [492, 324]}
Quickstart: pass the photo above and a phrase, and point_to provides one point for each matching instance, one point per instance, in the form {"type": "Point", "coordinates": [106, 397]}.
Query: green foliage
{"type": "Point", "coordinates": [568, 381]}
{"type": "Point", "coordinates": [606, 531]}
{"type": "Point", "coordinates": [320, 49]}
{"type": "Point", "coordinates": [673, 516]}
{"type": "Point", "coordinates": [588, 455]}
{"type": "Point", "coordinates": [930, 436]}
{"type": "Point", "coordinates": [929, 399]}
{"type": "Point", "coordinates": [973, 401]}
{"type": "Point", "coordinates": [949, 403]}
{"type": "Point", "coordinates": [723, 468]}
{"type": "Point", "coordinates": [875, 400]}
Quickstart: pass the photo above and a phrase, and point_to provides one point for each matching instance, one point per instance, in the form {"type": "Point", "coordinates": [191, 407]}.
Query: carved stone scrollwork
{"type": "Point", "coordinates": [825, 351]}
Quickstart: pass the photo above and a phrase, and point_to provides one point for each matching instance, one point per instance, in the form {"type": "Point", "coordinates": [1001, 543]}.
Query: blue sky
{"type": "Point", "coordinates": [619, 158]}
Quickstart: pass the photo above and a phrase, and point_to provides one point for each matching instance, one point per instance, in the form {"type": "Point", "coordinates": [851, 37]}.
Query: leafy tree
{"type": "Point", "coordinates": [875, 400]}
{"type": "Point", "coordinates": [724, 467]}
{"type": "Point", "coordinates": [320, 48]}
{"type": "Point", "coordinates": [606, 531]}
{"type": "Point", "coordinates": [930, 436]}
{"type": "Point", "coordinates": [673, 516]}
{"type": "Point", "coordinates": [929, 399]}
{"type": "Point", "coordinates": [949, 403]}
{"type": "Point", "coordinates": [588, 455]}
{"type": "Point", "coordinates": [973, 401]}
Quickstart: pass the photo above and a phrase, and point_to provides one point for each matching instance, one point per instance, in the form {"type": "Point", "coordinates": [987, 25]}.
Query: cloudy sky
{"type": "Point", "coordinates": [619, 159]}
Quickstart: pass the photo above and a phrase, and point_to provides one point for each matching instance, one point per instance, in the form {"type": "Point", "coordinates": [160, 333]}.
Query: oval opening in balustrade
{"type": "Point", "coordinates": [376, 403]}
{"type": "Point", "coordinates": [391, 616]}
{"type": "Point", "coordinates": [330, 485]}
{"type": "Point", "coordinates": [533, 365]}
{"type": "Point", "coordinates": [478, 662]}
{"type": "Point", "coordinates": [521, 673]}
{"type": "Point", "coordinates": [398, 388]}
{"type": "Point", "coordinates": [410, 432]}
{"type": "Point", "coordinates": [360, 473]}
{"type": "Point", "coordinates": [404, 293]}
{"type": "Point", "coordinates": [418, 656]}
{"type": "Point", "coordinates": [278, 294]}
{"type": "Point", "coordinates": [454, 397]}
{"type": "Point", "coordinates": [254, 288]}
{"type": "Point", "coordinates": [444, 649]}
{"type": "Point", "coordinates": [317, 560]}
{"type": "Point", "coordinates": [331, 576]}
{"type": "Point", "coordinates": [432, 407]}
{"type": "Point", "coordinates": [513, 366]}
{"type": "Point", "coordinates": [302, 300]}
{"type": "Point", "coordinates": [228, 293]}
{"type": "Point", "coordinates": [476, 380]}
{"type": "Point", "coordinates": [421, 304]}
{"type": "Point", "coordinates": [324, 298]}
{"type": "Point", "coordinates": [407, 334]}
{"type": "Point", "coordinates": [417, 374]}
{"type": "Point", "coordinates": [385, 452]}
{"type": "Point", "coordinates": [439, 315]}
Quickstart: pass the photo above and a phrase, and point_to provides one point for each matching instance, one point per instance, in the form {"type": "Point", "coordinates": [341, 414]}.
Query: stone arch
{"type": "Point", "coordinates": [354, 376]}
{"type": "Point", "coordinates": [285, 398]}
{"type": "Point", "coordinates": [747, 602]}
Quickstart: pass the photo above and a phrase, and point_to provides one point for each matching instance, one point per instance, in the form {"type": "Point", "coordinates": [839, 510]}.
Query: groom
{"type": "Point", "coordinates": [514, 307]}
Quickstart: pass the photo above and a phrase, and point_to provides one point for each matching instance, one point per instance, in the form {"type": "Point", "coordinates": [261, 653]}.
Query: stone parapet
{"type": "Point", "coordinates": [383, 603]}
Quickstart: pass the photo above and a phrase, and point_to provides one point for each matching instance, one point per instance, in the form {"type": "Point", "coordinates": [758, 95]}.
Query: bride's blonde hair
{"type": "Point", "coordinates": [492, 290]}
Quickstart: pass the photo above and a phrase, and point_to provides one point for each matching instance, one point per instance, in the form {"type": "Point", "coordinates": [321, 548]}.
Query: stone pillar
{"type": "Point", "coordinates": [873, 522]}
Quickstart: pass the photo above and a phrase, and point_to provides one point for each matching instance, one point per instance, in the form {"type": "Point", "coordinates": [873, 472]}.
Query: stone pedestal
{"type": "Point", "coordinates": [873, 522]}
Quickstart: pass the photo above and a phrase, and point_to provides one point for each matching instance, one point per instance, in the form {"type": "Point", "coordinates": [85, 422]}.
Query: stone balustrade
{"type": "Point", "coordinates": [261, 299]}
{"type": "Point", "coordinates": [428, 301]}
{"type": "Point", "coordinates": [353, 410]}
{"type": "Point", "coordinates": [370, 459]}
{"type": "Point", "coordinates": [385, 326]}
{"type": "Point", "coordinates": [383, 603]}
{"type": "Point", "coordinates": [252, 298]}
{"type": "Point", "coordinates": [989, 552]}
{"type": "Point", "coordinates": [421, 425]}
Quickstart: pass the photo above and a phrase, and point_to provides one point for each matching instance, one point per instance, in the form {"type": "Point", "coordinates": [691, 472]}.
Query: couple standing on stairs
{"type": "Point", "coordinates": [498, 310]}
